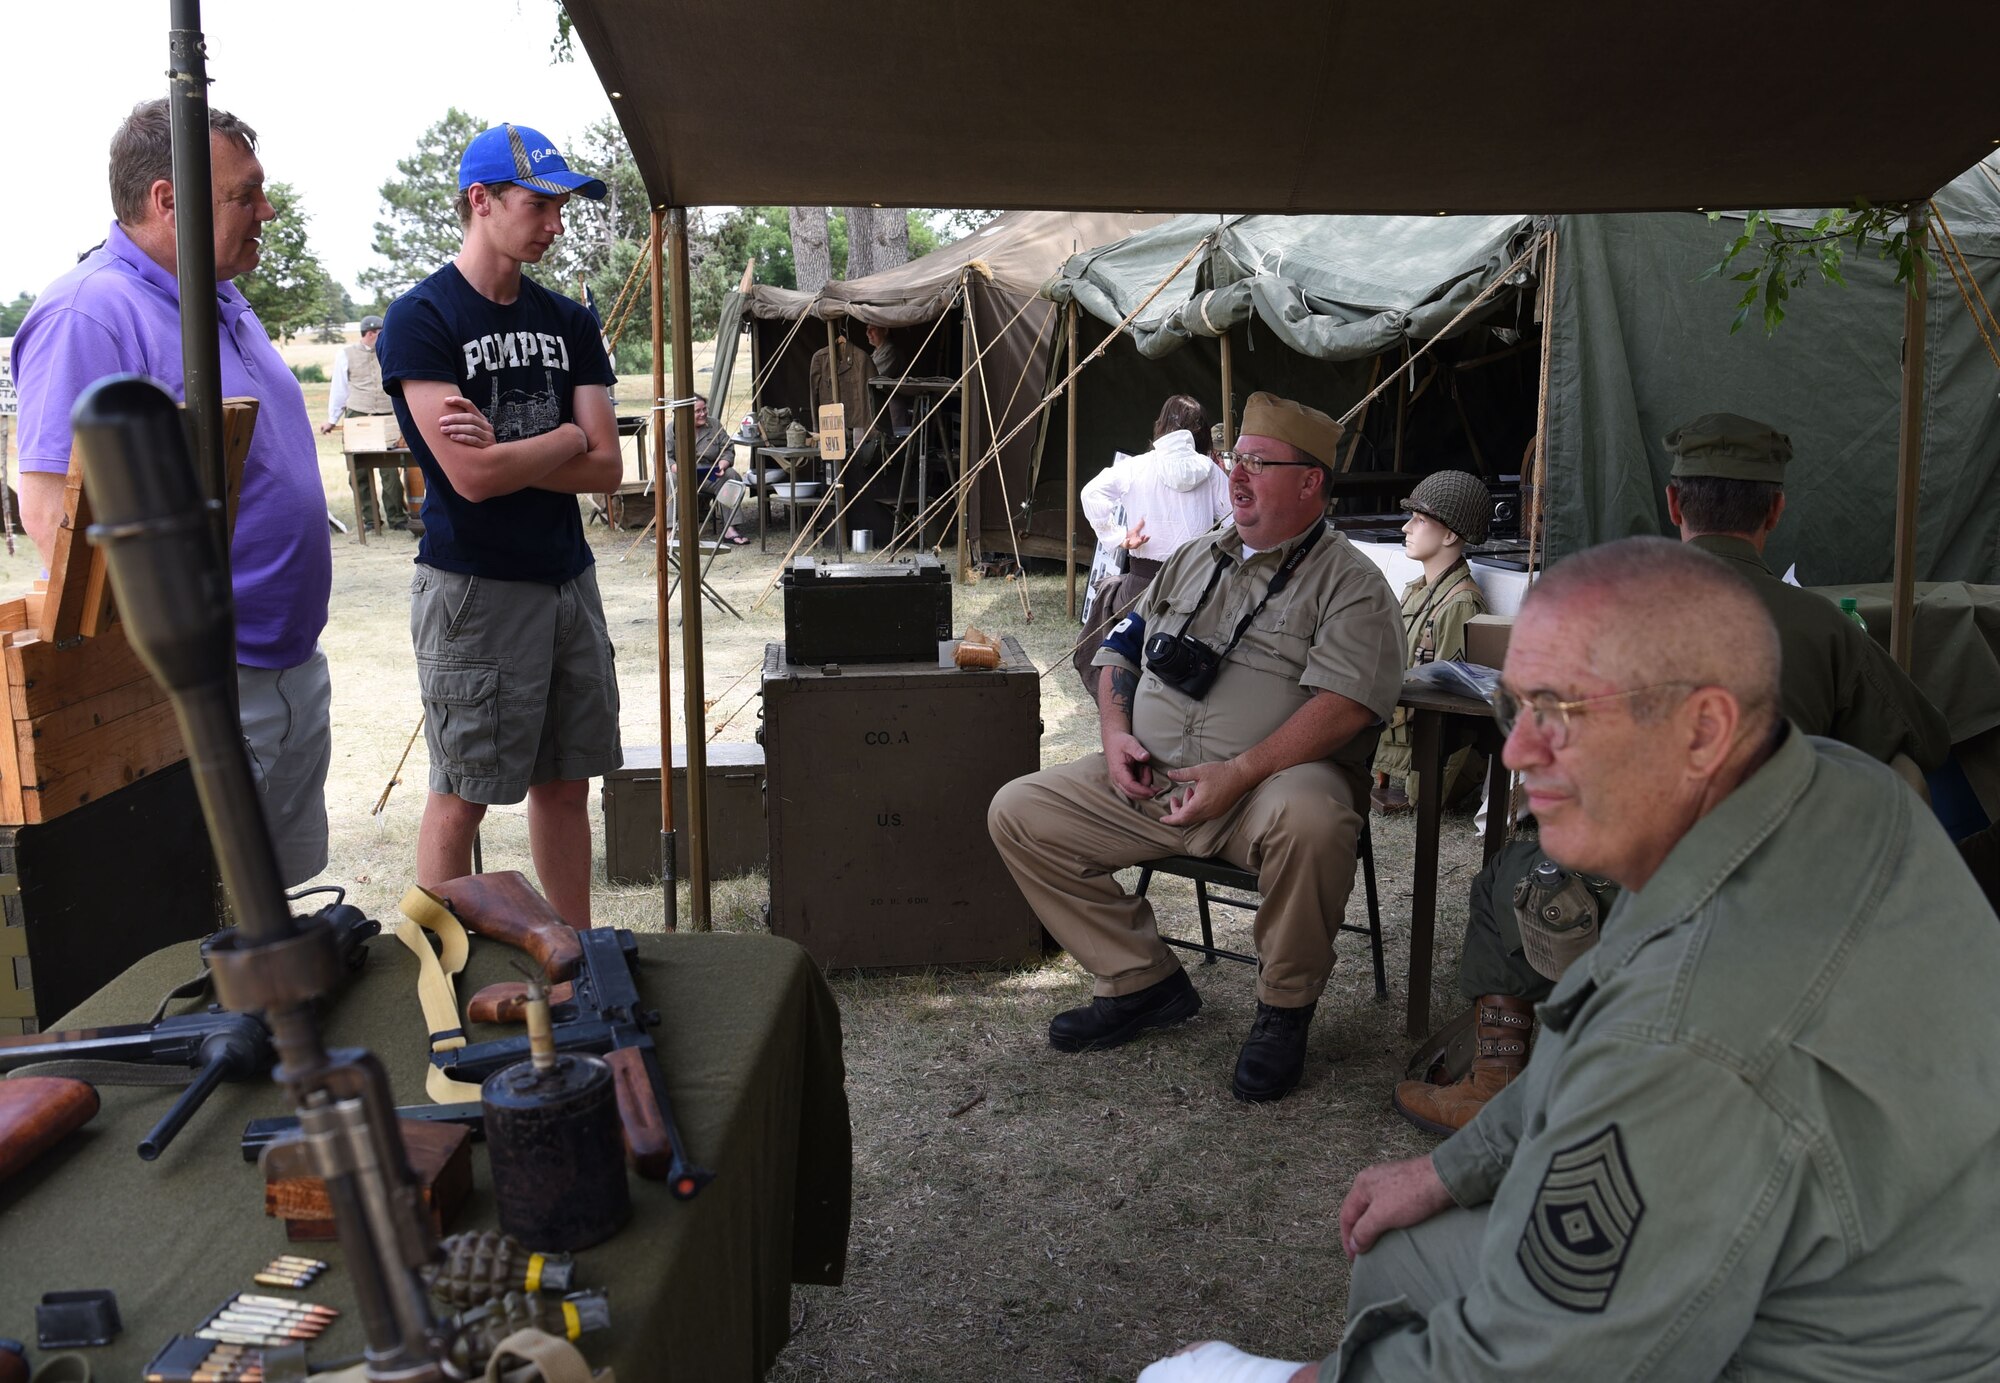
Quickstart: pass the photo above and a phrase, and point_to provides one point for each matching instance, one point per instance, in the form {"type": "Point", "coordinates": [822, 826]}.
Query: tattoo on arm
{"type": "Point", "coordinates": [1124, 685]}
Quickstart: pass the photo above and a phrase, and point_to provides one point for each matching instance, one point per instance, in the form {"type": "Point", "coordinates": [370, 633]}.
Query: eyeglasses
{"type": "Point", "coordinates": [1553, 715]}
{"type": "Point", "coordinates": [1252, 463]}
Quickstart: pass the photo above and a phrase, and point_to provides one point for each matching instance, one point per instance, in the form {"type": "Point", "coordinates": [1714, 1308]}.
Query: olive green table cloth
{"type": "Point", "coordinates": [749, 1042]}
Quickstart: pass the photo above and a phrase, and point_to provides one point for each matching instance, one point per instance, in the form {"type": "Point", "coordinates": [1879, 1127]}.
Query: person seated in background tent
{"type": "Point", "coordinates": [714, 458]}
{"type": "Point", "coordinates": [1149, 505]}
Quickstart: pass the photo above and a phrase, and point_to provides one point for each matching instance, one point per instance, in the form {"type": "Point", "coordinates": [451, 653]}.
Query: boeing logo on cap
{"type": "Point", "coordinates": [517, 154]}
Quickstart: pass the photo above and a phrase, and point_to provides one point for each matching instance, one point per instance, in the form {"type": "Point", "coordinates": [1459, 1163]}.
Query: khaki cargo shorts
{"type": "Point", "coordinates": [518, 682]}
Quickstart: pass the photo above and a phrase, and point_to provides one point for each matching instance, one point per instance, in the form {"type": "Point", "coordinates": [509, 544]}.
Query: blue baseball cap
{"type": "Point", "coordinates": [515, 153]}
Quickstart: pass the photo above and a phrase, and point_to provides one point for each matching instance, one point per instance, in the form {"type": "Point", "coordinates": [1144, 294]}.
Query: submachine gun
{"type": "Point", "coordinates": [162, 549]}
{"type": "Point", "coordinates": [217, 1045]}
{"type": "Point", "coordinates": [603, 1016]}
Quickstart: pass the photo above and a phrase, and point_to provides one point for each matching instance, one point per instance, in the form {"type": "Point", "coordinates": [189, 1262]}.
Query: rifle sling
{"type": "Point", "coordinates": [425, 912]}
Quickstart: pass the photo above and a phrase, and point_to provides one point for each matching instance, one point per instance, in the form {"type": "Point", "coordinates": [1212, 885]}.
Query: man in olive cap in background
{"type": "Point", "coordinates": [1238, 719]}
{"type": "Point", "coordinates": [357, 392]}
{"type": "Point", "coordinates": [1449, 511]}
{"type": "Point", "coordinates": [1726, 493]}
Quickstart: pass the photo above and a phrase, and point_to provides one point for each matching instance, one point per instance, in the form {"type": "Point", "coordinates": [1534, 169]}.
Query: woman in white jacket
{"type": "Point", "coordinates": [1149, 505]}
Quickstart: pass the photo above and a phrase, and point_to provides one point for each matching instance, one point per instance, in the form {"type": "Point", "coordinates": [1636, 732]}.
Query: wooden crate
{"type": "Point", "coordinates": [372, 432]}
{"type": "Point", "coordinates": [84, 717]}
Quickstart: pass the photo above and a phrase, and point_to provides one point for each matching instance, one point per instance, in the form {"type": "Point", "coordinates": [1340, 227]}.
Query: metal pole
{"type": "Point", "coordinates": [1228, 394]}
{"type": "Point", "coordinates": [194, 250]}
{"type": "Point", "coordinates": [1069, 489]}
{"type": "Point", "coordinates": [1910, 450]}
{"type": "Point", "coordinates": [965, 400]}
{"type": "Point", "coordinates": [669, 862]}
{"type": "Point", "coordinates": [695, 714]}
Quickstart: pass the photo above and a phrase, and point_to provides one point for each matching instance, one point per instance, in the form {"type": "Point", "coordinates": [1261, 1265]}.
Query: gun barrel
{"type": "Point", "coordinates": [125, 1042]}
{"type": "Point", "coordinates": [199, 1089]}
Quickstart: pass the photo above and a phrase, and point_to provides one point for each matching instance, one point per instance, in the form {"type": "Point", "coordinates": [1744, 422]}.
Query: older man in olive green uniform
{"type": "Point", "coordinates": [1760, 1136]}
{"type": "Point", "coordinates": [1271, 656]}
{"type": "Point", "coordinates": [1726, 493]}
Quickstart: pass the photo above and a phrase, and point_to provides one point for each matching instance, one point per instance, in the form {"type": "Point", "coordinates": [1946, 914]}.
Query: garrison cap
{"type": "Point", "coordinates": [1308, 429]}
{"type": "Point", "coordinates": [1456, 499]}
{"type": "Point", "coordinates": [1729, 447]}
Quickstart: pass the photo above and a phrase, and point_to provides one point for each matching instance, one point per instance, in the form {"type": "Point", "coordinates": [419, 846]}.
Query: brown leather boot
{"type": "Point", "coordinates": [1505, 1024]}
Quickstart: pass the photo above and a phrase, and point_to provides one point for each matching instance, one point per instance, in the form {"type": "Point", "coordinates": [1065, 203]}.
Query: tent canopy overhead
{"type": "Point", "coordinates": [1015, 253]}
{"type": "Point", "coordinates": [1329, 287]}
{"type": "Point", "coordinates": [1343, 106]}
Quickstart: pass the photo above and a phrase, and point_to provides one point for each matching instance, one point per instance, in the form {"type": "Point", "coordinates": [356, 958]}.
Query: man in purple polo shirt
{"type": "Point", "coordinates": [118, 311]}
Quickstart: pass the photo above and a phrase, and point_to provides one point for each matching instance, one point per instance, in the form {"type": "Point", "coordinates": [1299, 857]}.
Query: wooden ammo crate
{"type": "Point", "coordinates": [85, 716]}
{"type": "Point", "coordinates": [879, 781]}
{"type": "Point", "coordinates": [737, 840]}
{"type": "Point", "coordinates": [102, 860]}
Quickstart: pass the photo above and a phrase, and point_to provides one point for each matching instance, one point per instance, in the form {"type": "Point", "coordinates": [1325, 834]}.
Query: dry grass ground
{"type": "Point", "coordinates": [1081, 1215]}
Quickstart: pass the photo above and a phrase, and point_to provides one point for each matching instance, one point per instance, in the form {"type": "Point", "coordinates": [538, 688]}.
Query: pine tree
{"type": "Point", "coordinates": [289, 287]}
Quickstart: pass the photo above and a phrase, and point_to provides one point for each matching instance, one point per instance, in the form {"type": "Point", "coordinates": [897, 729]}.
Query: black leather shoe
{"type": "Point", "coordinates": [1112, 1022]}
{"type": "Point", "coordinates": [1274, 1055]}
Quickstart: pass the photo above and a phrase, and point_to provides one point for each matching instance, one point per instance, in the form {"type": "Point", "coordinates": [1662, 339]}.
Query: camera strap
{"type": "Point", "coordinates": [1278, 583]}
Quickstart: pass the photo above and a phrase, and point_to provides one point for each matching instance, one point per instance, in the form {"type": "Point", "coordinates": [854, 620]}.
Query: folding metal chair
{"type": "Point", "coordinates": [713, 596]}
{"type": "Point", "coordinates": [1222, 874]}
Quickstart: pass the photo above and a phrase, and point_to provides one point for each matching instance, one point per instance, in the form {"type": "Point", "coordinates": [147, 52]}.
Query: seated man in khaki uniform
{"type": "Point", "coordinates": [1271, 656]}
{"type": "Point", "coordinates": [1759, 1138]}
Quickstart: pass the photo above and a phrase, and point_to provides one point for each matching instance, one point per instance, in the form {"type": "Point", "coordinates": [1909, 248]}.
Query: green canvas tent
{"type": "Point", "coordinates": [1641, 342]}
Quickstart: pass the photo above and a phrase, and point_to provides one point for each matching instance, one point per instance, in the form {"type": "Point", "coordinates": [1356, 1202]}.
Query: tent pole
{"type": "Point", "coordinates": [835, 491]}
{"type": "Point", "coordinates": [1360, 421]}
{"type": "Point", "coordinates": [694, 714]}
{"type": "Point", "coordinates": [669, 864]}
{"type": "Point", "coordinates": [1069, 489]}
{"type": "Point", "coordinates": [1909, 450]}
{"type": "Point", "coordinates": [1402, 408]}
{"type": "Point", "coordinates": [1228, 394]}
{"type": "Point", "coordinates": [965, 387]}
{"type": "Point", "coordinates": [1545, 305]}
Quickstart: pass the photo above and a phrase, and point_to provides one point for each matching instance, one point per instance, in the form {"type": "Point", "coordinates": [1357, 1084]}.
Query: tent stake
{"type": "Point", "coordinates": [1910, 450]}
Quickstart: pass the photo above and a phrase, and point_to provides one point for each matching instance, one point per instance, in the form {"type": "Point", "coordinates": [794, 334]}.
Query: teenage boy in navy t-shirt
{"type": "Point", "coordinates": [502, 389]}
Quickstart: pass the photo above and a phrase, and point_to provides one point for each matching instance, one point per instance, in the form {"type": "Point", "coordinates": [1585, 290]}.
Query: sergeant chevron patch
{"type": "Point", "coordinates": [1582, 1224]}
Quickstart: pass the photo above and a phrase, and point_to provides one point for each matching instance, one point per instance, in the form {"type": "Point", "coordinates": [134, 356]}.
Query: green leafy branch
{"type": "Point", "coordinates": [1781, 258]}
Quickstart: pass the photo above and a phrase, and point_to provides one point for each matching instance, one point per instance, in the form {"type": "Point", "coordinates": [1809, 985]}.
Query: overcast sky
{"type": "Point", "coordinates": [337, 93]}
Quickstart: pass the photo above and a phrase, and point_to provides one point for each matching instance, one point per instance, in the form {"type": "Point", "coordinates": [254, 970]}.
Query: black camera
{"type": "Point", "coordinates": [1184, 663]}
